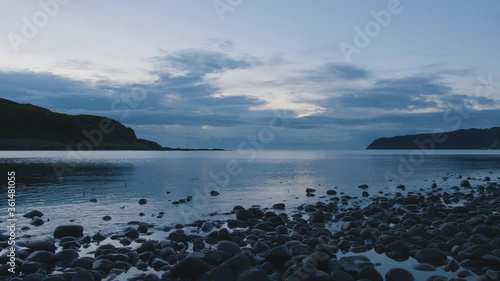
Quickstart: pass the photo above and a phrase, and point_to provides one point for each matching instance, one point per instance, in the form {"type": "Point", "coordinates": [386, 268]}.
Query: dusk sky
{"type": "Point", "coordinates": [213, 73]}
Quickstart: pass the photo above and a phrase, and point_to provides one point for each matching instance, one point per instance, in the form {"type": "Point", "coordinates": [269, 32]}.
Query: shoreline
{"type": "Point", "coordinates": [452, 229]}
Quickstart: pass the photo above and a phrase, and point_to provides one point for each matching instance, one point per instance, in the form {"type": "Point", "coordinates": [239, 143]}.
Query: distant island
{"type": "Point", "coordinates": [460, 139]}
{"type": "Point", "coordinates": [29, 127]}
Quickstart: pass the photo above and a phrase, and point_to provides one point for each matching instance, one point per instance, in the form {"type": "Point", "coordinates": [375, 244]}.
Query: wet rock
{"type": "Point", "coordinates": [310, 190]}
{"type": "Point", "coordinates": [42, 256]}
{"type": "Point", "coordinates": [317, 217]}
{"type": "Point", "coordinates": [229, 247]}
{"type": "Point", "coordinates": [244, 215]}
{"type": "Point", "coordinates": [341, 276]}
{"type": "Point", "coordinates": [34, 213]}
{"type": "Point", "coordinates": [68, 230]}
{"type": "Point", "coordinates": [143, 201]}
{"type": "Point", "coordinates": [82, 275]}
{"type": "Point", "coordinates": [431, 256]}
{"type": "Point", "coordinates": [222, 272]}
{"type": "Point", "coordinates": [252, 274]}
{"type": "Point", "coordinates": [189, 268]}
{"type": "Point", "coordinates": [214, 193]}
{"type": "Point", "coordinates": [370, 273]}
{"type": "Point", "coordinates": [106, 218]}
{"type": "Point", "coordinates": [102, 265]}
{"type": "Point", "coordinates": [363, 186]}
{"type": "Point", "coordinates": [279, 206]}
{"type": "Point", "coordinates": [399, 274]}
{"type": "Point", "coordinates": [36, 221]}
{"type": "Point", "coordinates": [207, 227]}
{"type": "Point", "coordinates": [279, 255]}
{"type": "Point", "coordinates": [465, 183]}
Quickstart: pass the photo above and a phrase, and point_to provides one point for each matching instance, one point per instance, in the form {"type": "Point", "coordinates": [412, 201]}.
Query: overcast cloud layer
{"type": "Point", "coordinates": [178, 73]}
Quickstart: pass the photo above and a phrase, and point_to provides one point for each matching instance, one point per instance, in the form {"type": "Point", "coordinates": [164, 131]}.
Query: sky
{"type": "Point", "coordinates": [287, 74]}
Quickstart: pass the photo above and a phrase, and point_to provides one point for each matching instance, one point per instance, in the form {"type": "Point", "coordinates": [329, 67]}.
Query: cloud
{"type": "Point", "coordinates": [194, 63]}
{"type": "Point", "coordinates": [408, 93]}
{"type": "Point", "coordinates": [334, 72]}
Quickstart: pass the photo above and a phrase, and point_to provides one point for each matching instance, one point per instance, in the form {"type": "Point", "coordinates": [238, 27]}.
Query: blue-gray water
{"type": "Point", "coordinates": [119, 179]}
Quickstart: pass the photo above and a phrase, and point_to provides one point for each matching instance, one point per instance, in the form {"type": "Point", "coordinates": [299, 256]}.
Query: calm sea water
{"type": "Point", "coordinates": [61, 184]}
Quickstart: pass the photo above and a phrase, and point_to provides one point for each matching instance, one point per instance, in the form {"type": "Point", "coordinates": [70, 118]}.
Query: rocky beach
{"type": "Point", "coordinates": [439, 233]}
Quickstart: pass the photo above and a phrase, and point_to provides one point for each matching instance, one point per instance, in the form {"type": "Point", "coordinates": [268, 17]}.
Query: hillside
{"type": "Point", "coordinates": [460, 139]}
{"type": "Point", "coordinates": [29, 127]}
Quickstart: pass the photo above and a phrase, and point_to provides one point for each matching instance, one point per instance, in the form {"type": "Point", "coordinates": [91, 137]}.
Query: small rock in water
{"type": "Point", "coordinates": [399, 274]}
{"type": "Point", "coordinates": [68, 230]}
{"type": "Point", "coordinates": [214, 193]}
{"type": "Point", "coordinates": [279, 206]}
{"type": "Point", "coordinates": [36, 221]}
{"type": "Point", "coordinates": [143, 201]}
{"type": "Point", "coordinates": [363, 186]}
{"type": "Point", "coordinates": [106, 218]}
{"type": "Point", "coordinates": [309, 190]}
{"type": "Point", "coordinates": [34, 213]}
{"type": "Point", "coordinates": [465, 183]}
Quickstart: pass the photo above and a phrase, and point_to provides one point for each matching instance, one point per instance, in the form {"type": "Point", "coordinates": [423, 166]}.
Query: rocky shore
{"type": "Point", "coordinates": [454, 229]}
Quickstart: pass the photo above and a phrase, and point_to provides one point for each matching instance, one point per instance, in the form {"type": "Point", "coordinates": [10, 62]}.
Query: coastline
{"type": "Point", "coordinates": [452, 229]}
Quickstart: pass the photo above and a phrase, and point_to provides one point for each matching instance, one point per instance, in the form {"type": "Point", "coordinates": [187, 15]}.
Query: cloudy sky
{"type": "Point", "coordinates": [215, 72]}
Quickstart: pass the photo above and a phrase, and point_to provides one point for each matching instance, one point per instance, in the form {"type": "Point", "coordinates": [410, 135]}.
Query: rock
{"type": "Point", "coordinates": [229, 247]}
{"type": "Point", "coordinates": [102, 265]}
{"type": "Point", "coordinates": [32, 214]}
{"type": "Point", "coordinates": [178, 237]}
{"type": "Point", "coordinates": [252, 274]}
{"type": "Point", "coordinates": [41, 245]}
{"type": "Point", "coordinates": [84, 262]}
{"type": "Point", "coordinates": [370, 273]}
{"type": "Point", "coordinates": [449, 229]}
{"type": "Point", "coordinates": [68, 230]}
{"type": "Point", "coordinates": [66, 256]}
{"type": "Point", "coordinates": [207, 227]}
{"type": "Point", "coordinates": [331, 192]}
{"type": "Point", "coordinates": [36, 221]}
{"type": "Point", "coordinates": [432, 256]}
{"type": "Point", "coordinates": [279, 206]}
{"type": "Point", "coordinates": [309, 190]}
{"type": "Point", "coordinates": [214, 193]}
{"type": "Point", "coordinates": [493, 275]}
{"type": "Point", "coordinates": [399, 274]}
{"type": "Point", "coordinates": [278, 255]}
{"type": "Point", "coordinates": [132, 234]}
{"type": "Point", "coordinates": [363, 186]}
{"type": "Point", "coordinates": [222, 272]}
{"type": "Point", "coordinates": [341, 276]}
{"type": "Point", "coordinates": [33, 277]}
{"type": "Point", "coordinates": [106, 218]}
{"type": "Point", "coordinates": [244, 215]}
{"type": "Point", "coordinates": [317, 217]}
{"type": "Point", "coordinates": [189, 268]}
{"type": "Point", "coordinates": [82, 275]}
{"type": "Point", "coordinates": [311, 274]}
{"type": "Point", "coordinates": [465, 183]}
{"type": "Point", "coordinates": [143, 201]}
{"type": "Point", "coordinates": [424, 267]}
{"type": "Point", "coordinates": [42, 256]}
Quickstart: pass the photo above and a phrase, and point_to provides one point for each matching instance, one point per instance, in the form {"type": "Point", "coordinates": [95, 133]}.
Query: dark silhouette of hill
{"type": "Point", "coordinates": [29, 127]}
{"type": "Point", "coordinates": [460, 139]}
